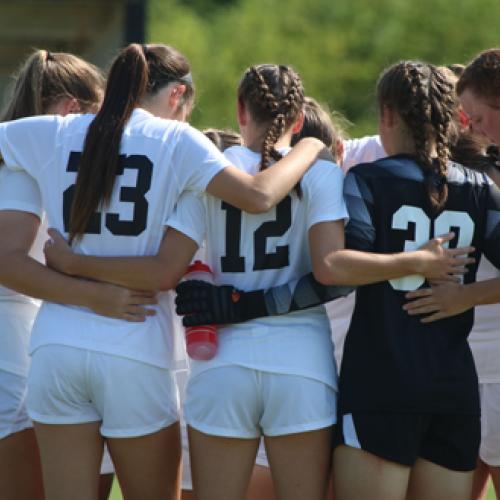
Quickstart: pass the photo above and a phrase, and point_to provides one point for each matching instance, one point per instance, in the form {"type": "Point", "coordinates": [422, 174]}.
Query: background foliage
{"type": "Point", "coordinates": [338, 46]}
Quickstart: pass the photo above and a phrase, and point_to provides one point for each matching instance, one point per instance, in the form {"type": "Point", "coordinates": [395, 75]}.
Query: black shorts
{"type": "Point", "coordinates": [451, 441]}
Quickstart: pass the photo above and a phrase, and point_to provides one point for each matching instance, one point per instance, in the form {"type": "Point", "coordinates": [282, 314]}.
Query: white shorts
{"type": "Point", "coordinates": [261, 458]}
{"type": "Point", "coordinates": [67, 385]}
{"type": "Point", "coordinates": [238, 402]}
{"type": "Point", "coordinates": [489, 450]}
{"type": "Point", "coordinates": [181, 378]}
{"type": "Point", "coordinates": [13, 415]}
{"type": "Point", "coordinates": [107, 466]}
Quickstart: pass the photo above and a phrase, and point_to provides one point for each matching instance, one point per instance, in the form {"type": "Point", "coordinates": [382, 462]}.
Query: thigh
{"type": "Point", "coordinates": [434, 482]}
{"type": "Point", "coordinates": [495, 477]}
{"type": "Point", "coordinates": [13, 414]}
{"type": "Point", "coordinates": [148, 467]}
{"type": "Point", "coordinates": [221, 466]}
{"type": "Point", "coordinates": [20, 468]}
{"type": "Point", "coordinates": [71, 459]}
{"type": "Point", "coordinates": [480, 481]}
{"type": "Point", "coordinates": [359, 475]}
{"type": "Point", "coordinates": [261, 484]}
{"type": "Point", "coordinates": [300, 464]}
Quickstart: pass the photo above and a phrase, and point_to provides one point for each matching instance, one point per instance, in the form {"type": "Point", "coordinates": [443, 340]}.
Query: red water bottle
{"type": "Point", "coordinates": [201, 341]}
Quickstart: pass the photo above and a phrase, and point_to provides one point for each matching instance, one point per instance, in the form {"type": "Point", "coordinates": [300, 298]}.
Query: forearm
{"type": "Point", "coordinates": [352, 267]}
{"type": "Point", "coordinates": [21, 273]}
{"type": "Point", "coordinates": [482, 292]}
{"type": "Point", "coordinates": [259, 193]}
{"type": "Point", "coordinates": [301, 294]}
{"type": "Point", "coordinates": [138, 273]}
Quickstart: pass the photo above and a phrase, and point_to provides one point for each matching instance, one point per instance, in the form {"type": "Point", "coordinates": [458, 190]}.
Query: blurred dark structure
{"type": "Point", "coordinates": [93, 29]}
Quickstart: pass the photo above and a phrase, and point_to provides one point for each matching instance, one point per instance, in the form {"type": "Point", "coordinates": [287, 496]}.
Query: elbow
{"type": "Point", "coordinates": [328, 274]}
{"type": "Point", "coordinates": [259, 201]}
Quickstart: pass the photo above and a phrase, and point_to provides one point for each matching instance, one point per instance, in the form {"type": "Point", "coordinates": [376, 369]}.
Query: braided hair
{"type": "Point", "coordinates": [274, 96]}
{"type": "Point", "coordinates": [426, 102]}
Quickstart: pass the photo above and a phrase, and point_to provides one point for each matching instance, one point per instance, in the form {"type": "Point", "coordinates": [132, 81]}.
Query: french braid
{"type": "Point", "coordinates": [426, 102]}
{"type": "Point", "coordinates": [274, 95]}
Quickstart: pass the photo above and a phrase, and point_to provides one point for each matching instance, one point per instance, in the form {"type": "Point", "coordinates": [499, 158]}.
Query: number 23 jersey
{"type": "Point", "coordinates": [253, 251]}
{"type": "Point", "coordinates": [391, 361]}
{"type": "Point", "coordinates": [159, 159]}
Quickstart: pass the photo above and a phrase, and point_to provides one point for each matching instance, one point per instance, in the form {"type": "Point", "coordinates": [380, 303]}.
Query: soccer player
{"type": "Point", "coordinates": [130, 168]}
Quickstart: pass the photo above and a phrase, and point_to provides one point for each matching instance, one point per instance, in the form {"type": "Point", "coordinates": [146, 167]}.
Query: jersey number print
{"type": "Point", "coordinates": [233, 262]}
{"type": "Point", "coordinates": [128, 194]}
{"type": "Point", "coordinates": [459, 222]}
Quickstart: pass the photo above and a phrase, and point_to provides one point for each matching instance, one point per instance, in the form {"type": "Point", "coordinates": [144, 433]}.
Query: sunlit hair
{"type": "Point", "coordinates": [320, 123]}
{"type": "Point", "coordinates": [426, 102]}
{"type": "Point", "coordinates": [482, 75]}
{"type": "Point", "coordinates": [138, 72]}
{"type": "Point", "coordinates": [223, 138]}
{"type": "Point", "coordinates": [47, 77]}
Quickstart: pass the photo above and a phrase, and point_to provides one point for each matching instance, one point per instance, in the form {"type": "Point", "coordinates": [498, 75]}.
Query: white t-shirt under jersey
{"type": "Point", "coordinates": [484, 339]}
{"type": "Point", "coordinates": [252, 251]}
{"type": "Point", "coordinates": [161, 159]}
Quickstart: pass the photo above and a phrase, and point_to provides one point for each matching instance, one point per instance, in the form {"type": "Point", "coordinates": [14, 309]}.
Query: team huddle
{"type": "Point", "coordinates": [300, 401]}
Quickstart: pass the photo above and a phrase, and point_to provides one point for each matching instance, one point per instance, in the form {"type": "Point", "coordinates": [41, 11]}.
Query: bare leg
{"type": "Point", "coordinates": [300, 464]}
{"type": "Point", "coordinates": [261, 484]}
{"type": "Point", "coordinates": [105, 485]}
{"type": "Point", "coordinates": [71, 460]}
{"type": "Point", "coordinates": [360, 475]}
{"type": "Point", "coordinates": [20, 468]}
{"type": "Point", "coordinates": [495, 476]}
{"type": "Point", "coordinates": [221, 467]}
{"type": "Point", "coordinates": [148, 467]}
{"type": "Point", "coordinates": [433, 482]}
{"type": "Point", "coordinates": [480, 481]}
{"type": "Point", "coordinates": [187, 495]}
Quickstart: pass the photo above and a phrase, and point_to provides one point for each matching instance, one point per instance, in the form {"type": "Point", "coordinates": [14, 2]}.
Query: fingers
{"type": "Point", "coordinates": [444, 238]}
{"type": "Point", "coordinates": [144, 299]}
{"type": "Point", "coordinates": [461, 251]}
{"type": "Point", "coordinates": [55, 235]}
{"type": "Point", "coordinates": [434, 317]}
{"type": "Point", "coordinates": [421, 292]}
{"type": "Point", "coordinates": [424, 309]}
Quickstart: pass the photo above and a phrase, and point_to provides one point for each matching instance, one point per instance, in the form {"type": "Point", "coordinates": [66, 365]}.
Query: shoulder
{"type": "Point", "coordinates": [243, 158]}
{"type": "Point", "coordinates": [459, 174]}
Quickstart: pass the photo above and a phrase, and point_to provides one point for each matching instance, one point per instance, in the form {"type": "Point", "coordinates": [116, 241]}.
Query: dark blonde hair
{"type": "Point", "coordinates": [426, 102]}
{"type": "Point", "coordinates": [274, 97]}
{"type": "Point", "coordinates": [319, 123]}
{"type": "Point", "coordinates": [138, 72]}
{"type": "Point", "coordinates": [223, 138]}
{"type": "Point", "coordinates": [482, 75]}
{"type": "Point", "coordinates": [46, 77]}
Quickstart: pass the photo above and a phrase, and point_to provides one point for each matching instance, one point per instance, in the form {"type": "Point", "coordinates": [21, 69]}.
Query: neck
{"type": "Point", "coordinates": [255, 141]}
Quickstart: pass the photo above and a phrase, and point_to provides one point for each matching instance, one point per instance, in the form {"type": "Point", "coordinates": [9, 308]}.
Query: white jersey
{"type": "Point", "coordinates": [252, 251]}
{"type": "Point", "coordinates": [159, 160]}
{"type": "Point", "coordinates": [484, 338]}
{"type": "Point", "coordinates": [17, 311]}
{"type": "Point", "coordinates": [362, 150]}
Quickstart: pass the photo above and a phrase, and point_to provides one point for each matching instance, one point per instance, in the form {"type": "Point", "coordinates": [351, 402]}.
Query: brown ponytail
{"type": "Point", "coordinates": [127, 84]}
{"type": "Point", "coordinates": [137, 73]}
{"type": "Point", "coordinates": [426, 102]}
{"type": "Point", "coordinates": [274, 96]}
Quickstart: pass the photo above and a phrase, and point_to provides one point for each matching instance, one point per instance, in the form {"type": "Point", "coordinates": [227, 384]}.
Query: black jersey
{"type": "Point", "coordinates": [391, 361]}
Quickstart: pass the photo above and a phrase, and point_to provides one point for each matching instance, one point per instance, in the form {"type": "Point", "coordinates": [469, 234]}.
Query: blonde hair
{"type": "Point", "coordinates": [47, 77]}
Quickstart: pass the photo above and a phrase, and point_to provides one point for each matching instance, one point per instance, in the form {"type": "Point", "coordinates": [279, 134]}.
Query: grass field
{"type": "Point", "coordinates": [116, 494]}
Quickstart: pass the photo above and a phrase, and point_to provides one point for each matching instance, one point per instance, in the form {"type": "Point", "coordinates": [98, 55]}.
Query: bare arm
{"type": "Point", "coordinates": [259, 193]}
{"type": "Point", "coordinates": [445, 300]}
{"type": "Point", "coordinates": [353, 267]}
{"type": "Point", "coordinates": [19, 272]}
{"type": "Point", "coordinates": [157, 272]}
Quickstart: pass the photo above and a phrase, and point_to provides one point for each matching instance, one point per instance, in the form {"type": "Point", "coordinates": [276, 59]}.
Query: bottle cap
{"type": "Point", "coordinates": [198, 266]}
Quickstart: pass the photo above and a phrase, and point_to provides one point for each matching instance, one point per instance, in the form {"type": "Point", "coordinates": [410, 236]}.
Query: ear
{"type": "Point", "coordinates": [175, 94]}
{"type": "Point", "coordinates": [299, 123]}
{"type": "Point", "coordinates": [242, 113]}
{"type": "Point", "coordinates": [73, 106]}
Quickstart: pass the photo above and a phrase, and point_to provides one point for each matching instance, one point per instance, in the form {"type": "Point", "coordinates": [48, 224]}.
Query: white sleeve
{"type": "Point", "coordinates": [189, 216]}
{"type": "Point", "coordinates": [19, 191]}
{"type": "Point", "coordinates": [196, 160]}
{"type": "Point", "coordinates": [30, 143]}
{"type": "Point", "coordinates": [325, 183]}
{"type": "Point", "coordinates": [364, 150]}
